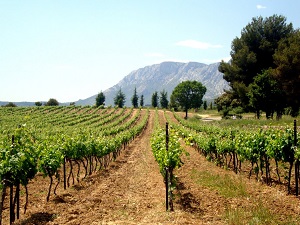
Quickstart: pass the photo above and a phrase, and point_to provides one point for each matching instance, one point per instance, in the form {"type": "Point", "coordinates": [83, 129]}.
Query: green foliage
{"type": "Point", "coordinates": [53, 135]}
{"type": "Point", "coordinates": [287, 72]}
{"type": "Point", "coordinates": [18, 158]}
{"type": "Point", "coordinates": [52, 102]}
{"type": "Point", "coordinates": [154, 99]}
{"type": "Point", "coordinates": [10, 104]}
{"type": "Point", "coordinates": [164, 99]}
{"type": "Point", "coordinates": [119, 99]}
{"type": "Point", "coordinates": [100, 99]}
{"type": "Point", "coordinates": [188, 94]}
{"type": "Point", "coordinates": [164, 158]}
{"type": "Point", "coordinates": [142, 101]}
{"type": "Point", "coordinates": [224, 101]}
{"type": "Point", "coordinates": [224, 184]}
{"type": "Point", "coordinates": [265, 94]}
{"type": "Point", "coordinates": [253, 51]}
{"type": "Point", "coordinates": [252, 54]}
{"type": "Point", "coordinates": [135, 99]}
{"type": "Point", "coordinates": [258, 146]}
{"type": "Point", "coordinates": [205, 105]}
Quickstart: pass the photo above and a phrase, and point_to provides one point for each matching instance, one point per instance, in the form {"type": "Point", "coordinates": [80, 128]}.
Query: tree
{"type": "Point", "coordinates": [52, 102]}
{"type": "Point", "coordinates": [188, 94]}
{"type": "Point", "coordinates": [38, 103]}
{"type": "Point", "coordinates": [142, 101]}
{"type": "Point", "coordinates": [135, 99]}
{"type": "Point", "coordinates": [100, 99]}
{"type": "Point", "coordinates": [119, 99]}
{"type": "Point", "coordinates": [205, 105]}
{"type": "Point", "coordinates": [164, 102]}
{"type": "Point", "coordinates": [287, 72]}
{"type": "Point", "coordinates": [264, 94]}
{"type": "Point", "coordinates": [10, 104]}
{"type": "Point", "coordinates": [253, 52]}
{"type": "Point", "coordinates": [154, 99]}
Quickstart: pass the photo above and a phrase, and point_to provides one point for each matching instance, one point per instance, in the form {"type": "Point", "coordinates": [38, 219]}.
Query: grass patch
{"type": "Point", "coordinates": [255, 215]}
{"type": "Point", "coordinates": [225, 185]}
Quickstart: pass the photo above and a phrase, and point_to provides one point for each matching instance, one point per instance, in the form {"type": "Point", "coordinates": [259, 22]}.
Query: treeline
{"type": "Point", "coordinates": [264, 71]}
{"type": "Point", "coordinates": [186, 95]}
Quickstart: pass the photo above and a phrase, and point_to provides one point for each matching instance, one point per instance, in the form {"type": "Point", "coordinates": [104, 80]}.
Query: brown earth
{"type": "Point", "coordinates": [131, 191]}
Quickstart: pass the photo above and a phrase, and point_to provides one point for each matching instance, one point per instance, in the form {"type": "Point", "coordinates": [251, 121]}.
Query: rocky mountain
{"type": "Point", "coordinates": [165, 76]}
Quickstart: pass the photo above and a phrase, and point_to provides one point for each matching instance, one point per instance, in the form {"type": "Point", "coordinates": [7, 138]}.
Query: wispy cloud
{"type": "Point", "coordinates": [197, 44]}
{"type": "Point", "coordinates": [260, 7]}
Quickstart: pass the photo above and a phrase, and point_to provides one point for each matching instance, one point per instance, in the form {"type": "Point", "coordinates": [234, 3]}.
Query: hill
{"type": "Point", "coordinates": [165, 76]}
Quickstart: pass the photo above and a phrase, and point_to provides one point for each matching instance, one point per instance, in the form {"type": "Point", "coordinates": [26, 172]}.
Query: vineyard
{"type": "Point", "coordinates": [87, 165]}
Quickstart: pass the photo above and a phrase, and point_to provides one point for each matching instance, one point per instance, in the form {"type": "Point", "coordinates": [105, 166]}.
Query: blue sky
{"type": "Point", "coordinates": [71, 50]}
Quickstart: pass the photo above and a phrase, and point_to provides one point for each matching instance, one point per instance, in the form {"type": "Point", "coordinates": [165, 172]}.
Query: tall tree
{"type": "Point", "coordinates": [142, 101]}
{"type": "Point", "coordinates": [287, 72]}
{"type": "Point", "coordinates": [253, 52]}
{"type": "Point", "coordinates": [100, 99]}
{"type": "Point", "coordinates": [164, 102]}
{"type": "Point", "coordinates": [188, 94]}
{"type": "Point", "coordinates": [119, 99]}
{"type": "Point", "coordinates": [205, 105]}
{"type": "Point", "coordinates": [154, 99]}
{"type": "Point", "coordinates": [135, 99]}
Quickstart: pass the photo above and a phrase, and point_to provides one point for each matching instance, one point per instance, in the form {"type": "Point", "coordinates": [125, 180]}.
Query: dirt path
{"type": "Point", "coordinates": [129, 188]}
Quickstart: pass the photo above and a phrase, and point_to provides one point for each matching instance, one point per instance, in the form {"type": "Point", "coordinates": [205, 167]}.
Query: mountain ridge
{"type": "Point", "coordinates": [165, 76]}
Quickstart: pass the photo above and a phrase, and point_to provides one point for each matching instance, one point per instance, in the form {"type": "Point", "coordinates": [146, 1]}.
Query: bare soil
{"type": "Point", "coordinates": [131, 191]}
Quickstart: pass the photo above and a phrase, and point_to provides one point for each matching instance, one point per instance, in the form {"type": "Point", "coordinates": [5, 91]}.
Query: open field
{"type": "Point", "coordinates": [130, 190]}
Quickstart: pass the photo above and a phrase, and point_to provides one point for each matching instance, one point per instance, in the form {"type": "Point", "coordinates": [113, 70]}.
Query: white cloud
{"type": "Point", "coordinates": [260, 7]}
{"type": "Point", "coordinates": [197, 44]}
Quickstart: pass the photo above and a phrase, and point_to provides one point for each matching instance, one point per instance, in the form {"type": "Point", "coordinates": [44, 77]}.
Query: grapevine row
{"type": "Point", "coordinates": [29, 151]}
{"type": "Point", "coordinates": [231, 147]}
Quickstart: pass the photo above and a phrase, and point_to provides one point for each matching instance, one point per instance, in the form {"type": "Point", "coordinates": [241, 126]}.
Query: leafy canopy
{"type": "Point", "coordinates": [188, 94]}
{"type": "Point", "coordinates": [266, 44]}
{"type": "Point", "coordinates": [287, 72]}
{"type": "Point", "coordinates": [52, 102]}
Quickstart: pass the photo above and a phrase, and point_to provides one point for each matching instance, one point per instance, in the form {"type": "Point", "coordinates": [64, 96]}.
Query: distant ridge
{"type": "Point", "coordinates": [165, 76]}
{"type": "Point", "coordinates": [18, 103]}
